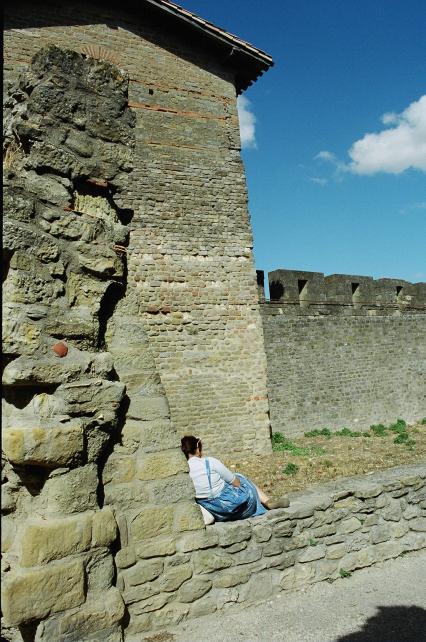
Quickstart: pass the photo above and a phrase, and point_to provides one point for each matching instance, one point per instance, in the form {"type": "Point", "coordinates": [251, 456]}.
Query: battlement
{"type": "Point", "coordinates": [314, 291]}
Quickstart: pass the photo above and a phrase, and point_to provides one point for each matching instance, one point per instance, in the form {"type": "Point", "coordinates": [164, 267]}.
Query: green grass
{"type": "Point", "coordinates": [290, 469]}
{"type": "Point", "coordinates": [423, 421]}
{"type": "Point", "coordinates": [324, 432]}
{"type": "Point", "coordinates": [344, 573]}
{"type": "Point", "coordinates": [379, 430]}
{"type": "Point", "coordinates": [345, 432]}
{"type": "Point", "coordinates": [281, 443]}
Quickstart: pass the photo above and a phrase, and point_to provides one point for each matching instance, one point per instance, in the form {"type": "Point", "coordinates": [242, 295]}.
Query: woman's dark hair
{"type": "Point", "coordinates": [189, 445]}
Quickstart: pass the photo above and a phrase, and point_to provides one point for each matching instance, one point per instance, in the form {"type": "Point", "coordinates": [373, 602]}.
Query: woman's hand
{"type": "Point", "coordinates": [236, 482]}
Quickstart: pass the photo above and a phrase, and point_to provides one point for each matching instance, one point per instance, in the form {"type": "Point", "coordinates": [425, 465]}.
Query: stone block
{"type": "Point", "coordinates": [153, 603]}
{"type": "Point", "coordinates": [148, 408]}
{"type": "Point", "coordinates": [127, 496]}
{"type": "Point", "coordinates": [412, 511]}
{"type": "Point", "coordinates": [104, 528]}
{"type": "Point", "coordinates": [150, 435]}
{"type": "Point", "coordinates": [349, 525]}
{"type": "Point", "coordinates": [152, 522]}
{"type": "Point", "coordinates": [174, 577]}
{"type": "Point", "coordinates": [195, 541]}
{"type": "Point", "coordinates": [208, 561]}
{"type": "Point", "coordinates": [194, 589]}
{"type": "Point", "coordinates": [232, 533]}
{"type": "Point", "coordinates": [94, 617]}
{"type": "Point", "coordinates": [359, 559]}
{"type": "Point", "coordinates": [297, 576]}
{"type": "Point", "coordinates": [161, 465]}
{"type": "Point", "coordinates": [336, 551]}
{"type": "Point", "coordinates": [72, 492]}
{"type": "Point", "coordinates": [125, 557]}
{"type": "Point", "coordinates": [203, 607]}
{"type": "Point", "coordinates": [324, 531]}
{"type": "Point", "coordinates": [388, 550]}
{"type": "Point", "coordinates": [188, 517]}
{"type": "Point", "coordinates": [166, 491]}
{"type": "Point", "coordinates": [260, 587]}
{"type": "Point", "coordinates": [273, 547]}
{"type": "Point", "coordinates": [325, 569]}
{"type": "Point", "coordinates": [119, 469]}
{"type": "Point", "coordinates": [232, 577]}
{"type": "Point", "coordinates": [157, 547]}
{"type": "Point", "coordinates": [34, 594]}
{"type": "Point", "coordinates": [262, 532]}
{"type": "Point", "coordinates": [171, 614]}
{"type": "Point", "coordinates": [43, 446]}
{"type": "Point", "coordinates": [142, 572]}
{"type": "Point", "coordinates": [100, 570]}
{"type": "Point", "coordinates": [312, 553]}
{"type": "Point", "coordinates": [248, 555]}
{"type": "Point", "coordinates": [399, 529]}
{"type": "Point", "coordinates": [44, 541]}
{"type": "Point", "coordinates": [418, 524]}
{"type": "Point", "coordinates": [392, 512]}
{"type": "Point", "coordinates": [380, 533]}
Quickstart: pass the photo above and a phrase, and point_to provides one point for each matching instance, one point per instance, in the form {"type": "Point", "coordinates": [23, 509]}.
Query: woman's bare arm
{"type": "Point", "coordinates": [236, 482]}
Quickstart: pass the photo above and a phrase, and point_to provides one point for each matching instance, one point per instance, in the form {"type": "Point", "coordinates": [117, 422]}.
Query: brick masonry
{"type": "Point", "coordinates": [191, 274]}
{"type": "Point", "coordinates": [341, 358]}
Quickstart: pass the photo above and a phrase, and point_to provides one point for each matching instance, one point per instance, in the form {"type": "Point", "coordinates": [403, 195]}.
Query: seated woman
{"type": "Point", "coordinates": [225, 495]}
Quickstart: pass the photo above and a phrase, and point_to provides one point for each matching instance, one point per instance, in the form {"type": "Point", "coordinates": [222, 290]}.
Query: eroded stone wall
{"type": "Point", "coordinates": [343, 350]}
{"type": "Point", "coordinates": [191, 275]}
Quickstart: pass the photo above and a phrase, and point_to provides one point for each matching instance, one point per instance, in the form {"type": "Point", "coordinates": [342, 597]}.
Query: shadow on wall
{"type": "Point", "coordinates": [392, 624]}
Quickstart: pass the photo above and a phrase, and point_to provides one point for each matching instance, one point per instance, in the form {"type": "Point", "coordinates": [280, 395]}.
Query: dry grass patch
{"type": "Point", "coordinates": [311, 460]}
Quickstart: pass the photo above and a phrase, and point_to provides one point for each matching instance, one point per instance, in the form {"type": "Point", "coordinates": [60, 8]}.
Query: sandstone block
{"type": "Point", "coordinates": [152, 522]}
{"type": "Point", "coordinates": [297, 576]}
{"type": "Point", "coordinates": [201, 539]}
{"type": "Point", "coordinates": [232, 533]}
{"type": "Point", "coordinates": [188, 517]}
{"type": "Point", "coordinates": [170, 614]}
{"type": "Point", "coordinates": [142, 572]}
{"type": "Point", "coordinates": [325, 569]}
{"type": "Point", "coordinates": [262, 532]}
{"type": "Point", "coordinates": [99, 570]}
{"type": "Point", "coordinates": [95, 616]}
{"type": "Point", "coordinates": [359, 559]}
{"type": "Point", "coordinates": [194, 589]}
{"type": "Point", "coordinates": [388, 550]}
{"type": "Point", "coordinates": [412, 511]}
{"type": "Point", "coordinates": [312, 553]}
{"type": "Point", "coordinates": [174, 577]}
{"type": "Point", "coordinates": [392, 512]}
{"type": "Point", "coordinates": [74, 491]}
{"type": "Point", "coordinates": [164, 492]}
{"type": "Point", "coordinates": [418, 524]}
{"type": "Point", "coordinates": [44, 541]}
{"type": "Point", "coordinates": [380, 533]}
{"type": "Point", "coordinates": [158, 547]}
{"type": "Point", "coordinates": [336, 552]}
{"type": "Point", "coordinates": [273, 547]}
{"type": "Point", "coordinates": [127, 496]}
{"type": "Point", "coordinates": [207, 561]}
{"type": "Point", "coordinates": [203, 607]}
{"type": "Point", "coordinates": [150, 435]}
{"type": "Point", "coordinates": [36, 593]}
{"type": "Point", "coordinates": [104, 528]}
{"type": "Point", "coordinates": [232, 577]}
{"type": "Point", "coordinates": [119, 469]}
{"type": "Point", "coordinates": [349, 525]}
{"type": "Point", "coordinates": [399, 529]}
{"type": "Point", "coordinates": [148, 408]}
{"type": "Point", "coordinates": [160, 465]}
{"type": "Point", "coordinates": [152, 603]}
{"type": "Point", "coordinates": [44, 446]}
{"type": "Point", "coordinates": [125, 557]}
{"type": "Point", "coordinates": [248, 555]}
{"type": "Point", "coordinates": [260, 587]}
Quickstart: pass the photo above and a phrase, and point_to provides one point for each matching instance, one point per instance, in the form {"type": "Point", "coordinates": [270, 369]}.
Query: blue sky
{"type": "Point", "coordinates": [343, 69]}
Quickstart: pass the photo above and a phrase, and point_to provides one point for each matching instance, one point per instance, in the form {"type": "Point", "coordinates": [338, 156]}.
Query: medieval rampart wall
{"type": "Point", "coordinates": [343, 350]}
{"type": "Point", "coordinates": [191, 275]}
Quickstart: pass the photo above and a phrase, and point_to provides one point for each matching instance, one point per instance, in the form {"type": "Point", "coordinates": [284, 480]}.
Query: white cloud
{"type": "Point", "coordinates": [247, 123]}
{"type": "Point", "coordinates": [326, 156]}
{"type": "Point", "coordinates": [318, 181]}
{"type": "Point", "coordinates": [396, 149]}
{"type": "Point", "coordinates": [413, 206]}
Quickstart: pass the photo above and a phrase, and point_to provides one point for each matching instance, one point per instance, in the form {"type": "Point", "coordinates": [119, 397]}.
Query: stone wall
{"type": "Point", "coordinates": [326, 532]}
{"type": "Point", "coordinates": [343, 350]}
{"type": "Point", "coordinates": [191, 275]}
{"type": "Point", "coordinates": [84, 410]}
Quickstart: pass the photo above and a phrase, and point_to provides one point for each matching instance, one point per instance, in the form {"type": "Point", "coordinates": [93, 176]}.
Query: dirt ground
{"type": "Point", "coordinates": [309, 461]}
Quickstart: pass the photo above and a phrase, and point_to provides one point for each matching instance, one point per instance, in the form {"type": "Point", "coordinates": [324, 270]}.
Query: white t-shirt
{"type": "Point", "coordinates": [219, 474]}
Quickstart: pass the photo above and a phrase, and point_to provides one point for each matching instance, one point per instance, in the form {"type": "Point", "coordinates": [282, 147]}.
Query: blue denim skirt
{"type": "Point", "coordinates": [227, 505]}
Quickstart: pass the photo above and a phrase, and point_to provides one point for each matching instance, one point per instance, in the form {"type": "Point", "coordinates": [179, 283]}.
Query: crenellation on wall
{"type": "Point", "coordinates": [313, 293]}
{"type": "Point", "coordinates": [348, 350]}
